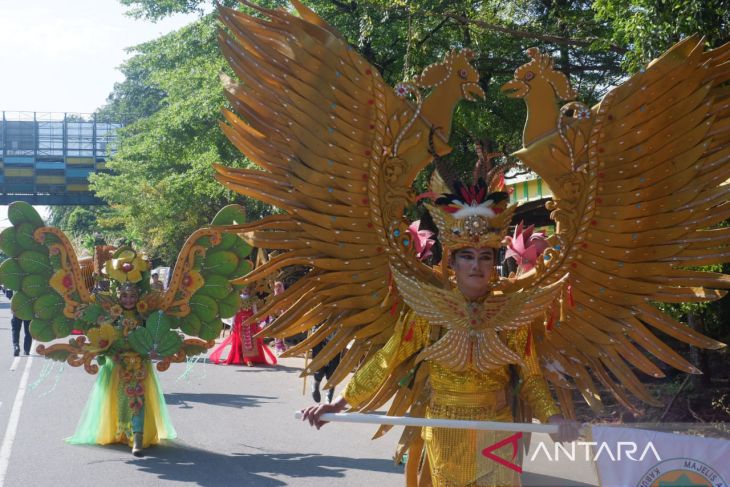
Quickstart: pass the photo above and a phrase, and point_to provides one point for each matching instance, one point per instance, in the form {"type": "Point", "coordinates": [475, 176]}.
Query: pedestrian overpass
{"type": "Point", "coordinates": [46, 158]}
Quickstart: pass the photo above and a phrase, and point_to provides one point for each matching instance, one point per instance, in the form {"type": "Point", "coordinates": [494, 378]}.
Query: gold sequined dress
{"type": "Point", "coordinates": [454, 457]}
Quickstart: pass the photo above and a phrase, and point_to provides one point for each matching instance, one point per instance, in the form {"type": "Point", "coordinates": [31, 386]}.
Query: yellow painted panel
{"type": "Point", "coordinates": [77, 187]}
{"type": "Point", "coordinates": [535, 191]}
{"type": "Point", "coordinates": [80, 161]}
{"type": "Point", "coordinates": [100, 165]}
{"type": "Point", "coordinates": [19, 171]}
{"type": "Point", "coordinates": [50, 179]}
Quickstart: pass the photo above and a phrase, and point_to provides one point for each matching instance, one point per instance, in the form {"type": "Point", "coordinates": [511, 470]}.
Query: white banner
{"type": "Point", "coordinates": [629, 457]}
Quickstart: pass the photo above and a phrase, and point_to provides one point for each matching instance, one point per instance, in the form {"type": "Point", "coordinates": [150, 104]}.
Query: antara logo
{"type": "Point", "coordinates": [513, 440]}
{"type": "Point", "coordinates": [623, 450]}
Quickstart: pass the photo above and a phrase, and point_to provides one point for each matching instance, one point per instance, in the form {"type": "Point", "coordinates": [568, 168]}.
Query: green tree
{"type": "Point", "coordinates": [649, 27]}
{"type": "Point", "coordinates": [161, 186]}
{"type": "Point", "coordinates": [159, 9]}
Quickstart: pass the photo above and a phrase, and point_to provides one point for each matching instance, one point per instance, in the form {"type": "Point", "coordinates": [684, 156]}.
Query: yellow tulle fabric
{"type": "Point", "coordinates": [106, 418]}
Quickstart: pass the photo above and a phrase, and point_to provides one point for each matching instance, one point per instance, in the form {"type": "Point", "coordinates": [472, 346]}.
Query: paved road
{"type": "Point", "coordinates": [235, 427]}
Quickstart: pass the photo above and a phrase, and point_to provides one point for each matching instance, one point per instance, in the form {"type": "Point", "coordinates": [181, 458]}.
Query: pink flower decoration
{"type": "Point", "coordinates": [525, 247]}
{"type": "Point", "coordinates": [421, 239]}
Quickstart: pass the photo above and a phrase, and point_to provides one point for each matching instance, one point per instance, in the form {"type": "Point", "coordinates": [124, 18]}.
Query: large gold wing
{"type": "Point", "coordinates": [637, 180]}
{"type": "Point", "coordinates": [338, 150]}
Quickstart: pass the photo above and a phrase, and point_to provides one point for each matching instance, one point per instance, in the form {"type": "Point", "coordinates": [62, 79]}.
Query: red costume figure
{"type": "Point", "coordinates": [245, 349]}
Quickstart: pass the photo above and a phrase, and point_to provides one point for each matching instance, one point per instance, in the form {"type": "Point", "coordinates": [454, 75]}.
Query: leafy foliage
{"type": "Point", "coordinates": [161, 187]}
{"type": "Point", "coordinates": [158, 9]}
{"type": "Point", "coordinates": [649, 27]}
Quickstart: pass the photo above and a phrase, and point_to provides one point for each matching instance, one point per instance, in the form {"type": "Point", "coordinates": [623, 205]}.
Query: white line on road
{"type": "Point", "coordinates": [14, 365]}
{"type": "Point", "coordinates": [13, 421]}
{"type": "Point", "coordinates": [16, 360]}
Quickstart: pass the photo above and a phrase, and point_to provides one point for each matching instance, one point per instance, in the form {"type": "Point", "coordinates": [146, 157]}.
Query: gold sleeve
{"type": "Point", "coordinates": [533, 388]}
{"type": "Point", "coordinates": [410, 336]}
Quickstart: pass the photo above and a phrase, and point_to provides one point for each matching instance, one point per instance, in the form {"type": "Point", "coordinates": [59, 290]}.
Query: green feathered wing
{"type": "Point", "coordinates": [44, 273]}
{"type": "Point", "coordinates": [200, 295]}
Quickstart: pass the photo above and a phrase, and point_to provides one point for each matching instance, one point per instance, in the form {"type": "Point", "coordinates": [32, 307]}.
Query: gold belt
{"type": "Point", "coordinates": [496, 399]}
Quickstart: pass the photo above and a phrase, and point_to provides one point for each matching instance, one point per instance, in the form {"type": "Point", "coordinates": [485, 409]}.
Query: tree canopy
{"type": "Point", "coordinates": [161, 185]}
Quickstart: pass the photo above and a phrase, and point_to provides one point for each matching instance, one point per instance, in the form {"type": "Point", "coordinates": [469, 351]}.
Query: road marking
{"type": "Point", "coordinates": [15, 363]}
{"type": "Point", "coordinates": [16, 360]}
{"type": "Point", "coordinates": [13, 421]}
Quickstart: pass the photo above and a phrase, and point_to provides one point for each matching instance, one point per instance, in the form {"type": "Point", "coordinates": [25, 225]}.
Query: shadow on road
{"type": "Point", "coordinates": [240, 401]}
{"type": "Point", "coordinates": [255, 368]}
{"type": "Point", "coordinates": [201, 467]}
{"type": "Point", "coordinates": [269, 368]}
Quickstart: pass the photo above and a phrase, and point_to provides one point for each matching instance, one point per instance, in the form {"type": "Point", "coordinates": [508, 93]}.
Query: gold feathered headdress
{"type": "Point", "coordinates": [470, 216]}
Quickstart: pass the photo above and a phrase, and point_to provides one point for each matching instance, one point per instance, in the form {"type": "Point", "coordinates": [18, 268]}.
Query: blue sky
{"type": "Point", "coordinates": [63, 55]}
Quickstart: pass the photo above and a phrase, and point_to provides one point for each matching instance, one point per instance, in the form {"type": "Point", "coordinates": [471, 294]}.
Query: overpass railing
{"type": "Point", "coordinates": [46, 158]}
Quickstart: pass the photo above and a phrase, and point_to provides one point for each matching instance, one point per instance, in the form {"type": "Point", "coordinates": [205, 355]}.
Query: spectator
{"type": "Point", "coordinates": [279, 344]}
{"type": "Point", "coordinates": [325, 372]}
{"type": "Point", "coordinates": [16, 324]}
{"type": "Point", "coordinates": [156, 284]}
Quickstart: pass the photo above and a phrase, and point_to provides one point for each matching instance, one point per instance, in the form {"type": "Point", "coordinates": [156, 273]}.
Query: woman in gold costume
{"type": "Point", "coordinates": [462, 386]}
{"type": "Point", "coordinates": [636, 181]}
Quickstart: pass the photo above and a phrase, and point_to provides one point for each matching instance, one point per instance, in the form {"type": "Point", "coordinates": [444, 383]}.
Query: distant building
{"type": "Point", "coordinates": [527, 187]}
{"type": "Point", "coordinates": [46, 158]}
{"type": "Point", "coordinates": [531, 193]}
